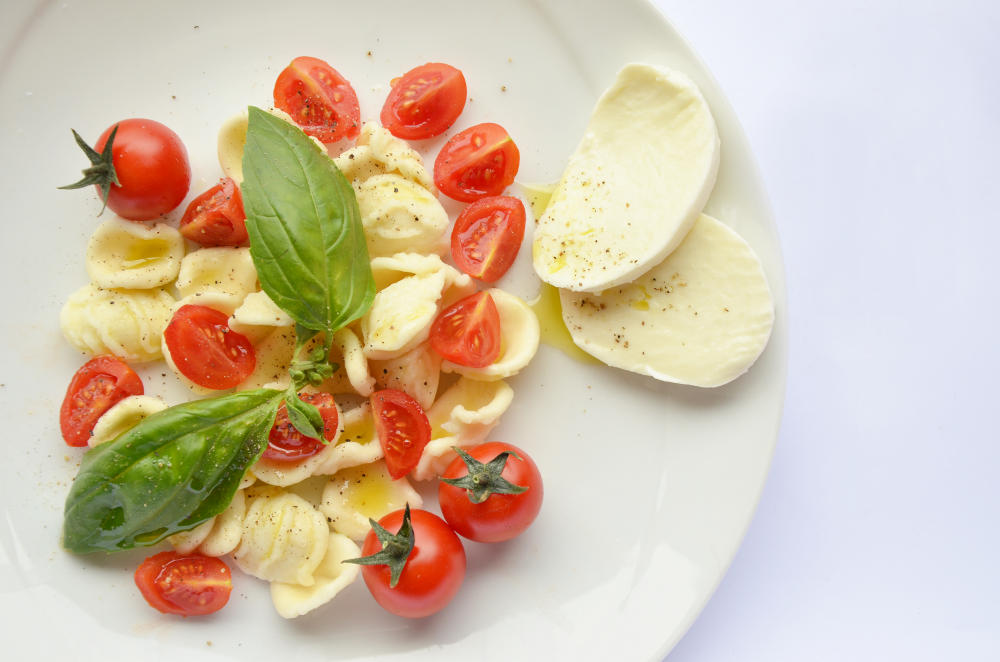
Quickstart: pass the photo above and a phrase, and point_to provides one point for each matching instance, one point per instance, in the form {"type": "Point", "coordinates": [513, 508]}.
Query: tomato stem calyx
{"type": "Point", "coordinates": [101, 172]}
{"type": "Point", "coordinates": [396, 548]}
{"type": "Point", "coordinates": [485, 480]}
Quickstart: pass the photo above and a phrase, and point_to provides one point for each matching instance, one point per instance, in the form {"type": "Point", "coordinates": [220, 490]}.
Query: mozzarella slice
{"type": "Point", "coordinates": [635, 185]}
{"type": "Point", "coordinates": [226, 529]}
{"type": "Point", "coordinates": [400, 215]}
{"type": "Point", "coordinates": [221, 269]}
{"type": "Point", "coordinates": [354, 495]}
{"type": "Point", "coordinates": [700, 317]}
{"type": "Point", "coordinates": [462, 417]}
{"type": "Point", "coordinates": [123, 417]}
{"type": "Point", "coordinates": [332, 576]}
{"type": "Point", "coordinates": [416, 373]}
{"type": "Point", "coordinates": [519, 333]}
{"type": "Point", "coordinates": [132, 255]}
{"type": "Point", "coordinates": [126, 323]}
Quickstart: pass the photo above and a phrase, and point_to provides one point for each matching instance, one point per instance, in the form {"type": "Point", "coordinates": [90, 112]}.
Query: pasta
{"type": "Point", "coordinates": [123, 417]}
{"type": "Point", "coordinates": [227, 528]}
{"type": "Point", "coordinates": [332, 576]}
{"type": "Point", "coordinates": [353, 495]}
{"type": "Point", "coordinates": [416, 373]}
{"type": "Point", "coordinates": [134, 256]}
{"type": "Point", "coordinates": [380, 152]}
{"type": "Point", "coordinates": [221, 269]}
{"type": "Point", "coordinates": [519, 333]}
{"type": "Point", "coordinates": [398, 214]}
{"type": "Point", "coordinates": [126, 323]}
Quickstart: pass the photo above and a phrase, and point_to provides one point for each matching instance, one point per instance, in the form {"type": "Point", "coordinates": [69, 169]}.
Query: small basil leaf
{"type": "Point", "coordinates": [171, 472]}
{"type": "Point", "coordinates": [306, 237]}
{"type": "Point", "coordinates": [304, 416]}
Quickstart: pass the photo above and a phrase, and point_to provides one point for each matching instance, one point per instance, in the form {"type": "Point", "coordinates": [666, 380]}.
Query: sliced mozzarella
{"type": "Point", "coordinates": [126, 323]}
{"type": "Point", "coordinates": [634, 186]}
{"type": "Point", "coordinates": [227, 528]}
{"type": "Point", "coordinates": [701, 317]}
{"type": "Point", "coordinates": [332, 576]}
{"type": "Point", "coordinates": [462, 417]}
{"type": "Point", "coordinates": [221, 269]}
{"type": "Point", "coordinates": [124, 416]}
{"type": "Point", "coordinates": [132, 255]}
{"type": "Point", "coordinates": [400, 215]}
{"type": "Point", "coordinates": [520, 334]}
{"type": "Point", "coordinates": [354, 495]}
{"type": "Point", "coordinates": [416, 373]}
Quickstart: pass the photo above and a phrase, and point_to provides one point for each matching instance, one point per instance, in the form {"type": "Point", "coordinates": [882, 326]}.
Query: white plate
{"type": "Point", "coordinates": [650, 487]}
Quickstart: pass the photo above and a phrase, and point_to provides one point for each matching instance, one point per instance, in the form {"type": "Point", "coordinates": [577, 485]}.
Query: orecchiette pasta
{"type": "Point", "coordinates": [520, 334]}
{"type": "Point", "coordinates": [416, 373]}
{"type": "Point", "coordinates": [398, 215]}
{"type": "Point", "coordinates": [332, 576]}
{"type": "Point", "coordinates": [233, 137]}
{"type": "Point", "coordinates": [380, 152]}
{"type": "Point", "coordinates": [134, 256]}
{"type": "Point", "coordinates": [353, 495]}
{"type": "Point", "coordinates": [126, 323]}
{"type": "Point", "coordinates": [462, 417]}
{"type": "Point", "coordinates": [221, 269]}
{"type": "Point", "coordinates": [227, 528]}
{"type": "Point", "coordinates": [256, 310]}
{"type": "Point", "coordinates": [274, 354]}
{"type": "Point", "coordinates": [187, 541]}
{"type": "Point", "coordinates": [355, 364]}
{"type": "Point", "coordinates": [124, 416]}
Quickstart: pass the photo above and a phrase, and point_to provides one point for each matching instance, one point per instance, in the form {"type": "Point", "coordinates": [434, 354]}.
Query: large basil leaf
{"type": "Point", "coordinates": [306, 236]}
{"type": "Point", "coordinates": [171, 472]}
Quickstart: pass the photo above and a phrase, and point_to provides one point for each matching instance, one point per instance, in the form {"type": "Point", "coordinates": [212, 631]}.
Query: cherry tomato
{"type": "Point", "coordinates": [152, 166]}
{"type": "Point", "coordinates": [433, 572]}
{"type": "Point", "coordinates": [477, 162]}
{"type": "Point", "coordinates": [184, 585]}
{"type": "Point", "coordinates": [487, 236]}
{"type": "Point", "coordinates": [98, 386]}
{"type": "Point", "coordinates": [319, 99]}
{"type": "Point", "coordinates": [501, 516]}
{"type": "Point", "coordinates": [424, 102]}
{"type": "Point", "coordinates": [402, 428]}
{"type": "Point", "coordinates": [206, 350]}
{"type": "Point", "coordinates": [216, 217]}
{"type": "Point", "coordinates": [286, 444]}
{"type": "Point", "coordinates": [468, 332]}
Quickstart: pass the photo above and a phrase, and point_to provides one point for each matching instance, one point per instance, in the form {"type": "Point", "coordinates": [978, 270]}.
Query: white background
{"type": "Point", "coordinates": [877, 128]}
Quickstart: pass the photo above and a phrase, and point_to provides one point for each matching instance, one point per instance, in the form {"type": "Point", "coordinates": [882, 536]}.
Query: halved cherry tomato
{"type": "Point", "coordinates": [468, 332]}
{"type": "Point", "coordinates": [184, 585]}
{"type": "Point", "coordinates": [501, 516]}
{"type": "Point", "coordinates": [477, 162]}
{"type": "Point", "coordinates": [205, 350]}
{"type": "Point", "coordinates": [152, 166]}
{"type": "Point", "coordinates": [286, 444]}
{"type": "Point", "coordinates": [432, 575]}
{"type": "Point", "coordinates": [216, 217]}
{"type": "Point", "coordinates": [319, 99]}
{"type": "Point", "coordinates": [99, 385]}
{"type": "Point", "coordinates": [424, 102]}
{"type": "Point", "coordinates": [487, 236]}
{"type": "Point", "coordinates": [402, 428]}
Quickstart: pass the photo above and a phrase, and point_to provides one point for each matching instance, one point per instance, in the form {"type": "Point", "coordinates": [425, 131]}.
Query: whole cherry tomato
{"type": "Point", "coordinates": [216, 217]}
{"type": "Point", "coordinates": [424, 102]}
{"type": "Point", "coordinates": [402, 428]}
{"type": "Point", "coordinates": [487, 236]}
{"type": "Point", "coordinates": [319, 99]}
{"type": "Point", "coordinates": [468, 332]}
{"type": "Point", "coordinates": [205, 350]}
{"type": "Point", "coordinates": [184, 585]}
{"type": "Point", "coordinates": [477, 162]}
{"type": "Point", "coordinates": [99, 385]}
{"type": "Point", "coordinates": [499, 516]}
{"type": "Point", "coordinates": [286, 444]}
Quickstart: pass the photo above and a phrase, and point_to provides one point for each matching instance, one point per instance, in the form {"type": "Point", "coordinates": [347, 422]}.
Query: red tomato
{"type": "Point", "coordinates": [468, 332]}
{"type": "Point", "coordinates": [487, 236]}
{"type": "Point", "coordinates": [477, 162]}
{"type": "Point", "coordinates": [319, 99]}
{"type": "Point", "coordinates": [286, 444]}
{"type": "Point", "coordinates": [98, 386]}
{"type": "Point", "coordinates": [402, 428]}
{"type": "Point", "coordinates": [433, 572]}
{"type": "Point", "coordinates": [184, 585]}
{"type": "Point", "coordinates": [152, 166]}
{"type": "Point", "coordinates": [205, 350]}
{"type": "Point", "coordinates": [216, 217]}
{"type": "Point", "coordinates": [502, 516]}
{"type": "Point", "coordinates": [425, 102]}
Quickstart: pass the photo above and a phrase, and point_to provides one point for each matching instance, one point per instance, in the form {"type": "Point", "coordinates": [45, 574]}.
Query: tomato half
{"type": "Point", "coordinates": [424, 102]}
{"type": "Point", "coordinates": [477, 162]}
{"type": "Point", "coordinates": [432, 575]}
{"type": "Point", "coordinates": [468, 332]}
{"type": "Point", "coordinates": [205, 350]}
{"type": "Point", "coordinates": [319, 99]}
{"type": "Point", "coordinates": [402, 428]}
{"type": "Point", "coordinates": [286, 444]}
{"type": "Point", "coordinates": [487, 237]}
{"type": "Point", "coordinates": [501, 516]}
{"type": "Point", "coordinates": [216, 217]}
{"type": "Point", "coordinates": [99, 385]}
{"type": "Point", "coordinates": [184, 585]}
{"type": "Point", "coordinates": [152, 165]}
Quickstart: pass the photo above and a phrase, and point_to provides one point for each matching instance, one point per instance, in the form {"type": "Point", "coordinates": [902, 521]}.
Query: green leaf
{"type": "Point", "coordinates": [304, 416]}
{"type": "Point", "coordinates": [171, 472]}
{"type": "Point", "coordinates": [306, 237]}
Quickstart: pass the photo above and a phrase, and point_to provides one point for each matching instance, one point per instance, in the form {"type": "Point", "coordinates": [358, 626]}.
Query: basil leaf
{"type": "Point", "coordinates": [306, 237]}
{"type": "Point", "coordinates": [303, 415]}
{"type": "Point", "coordinates": [171, 472]}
